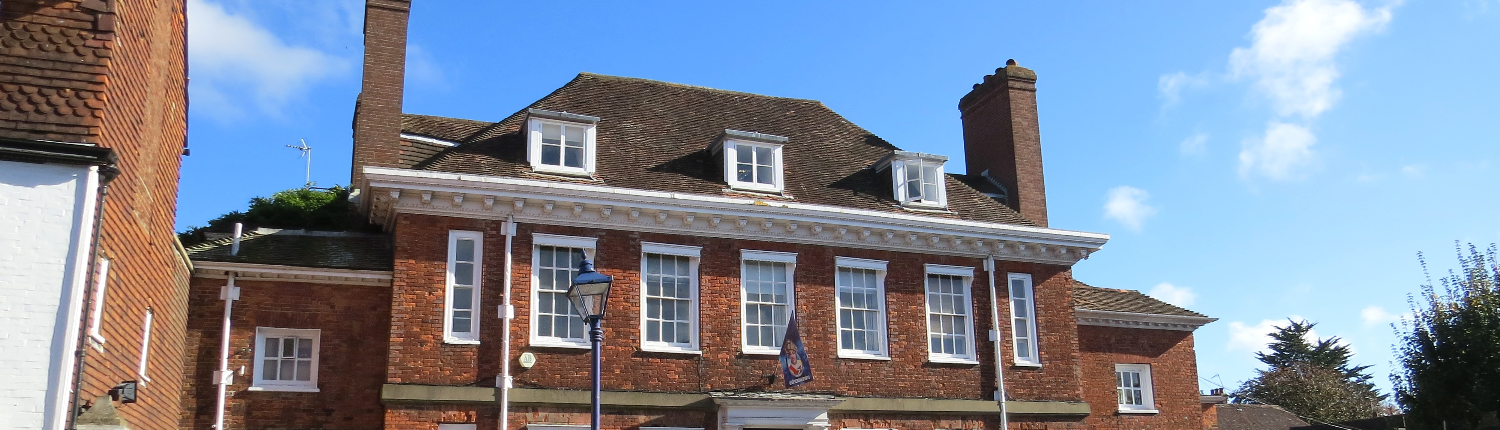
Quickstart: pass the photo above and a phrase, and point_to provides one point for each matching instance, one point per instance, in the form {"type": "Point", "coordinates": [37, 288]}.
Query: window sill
{"type": "Point", "coordinates": [1027, 365]}
{"type": "Point", "coordinates": [857, 355]}
{"type": "Point", "coordinates": [284, 389]}
{"type": "Point", "coordinates": [951, 360]}
{"type": "Point", "coordinates": [926, 207]}
{"type": "Point", "coordinates": [1139, 411]}
{"type": "Point", "coordinates": [561, 171]}
{"type": "Point", "coordinates": [554, 343]}
{"type": "Point", "coordinates": [667, 349]}
{"type": "Point", "coordinates": [763, 189]}
{"type": "Point", "coordinates": [452, 341]}
{"type": "Point", "coordinates": [761, 351]}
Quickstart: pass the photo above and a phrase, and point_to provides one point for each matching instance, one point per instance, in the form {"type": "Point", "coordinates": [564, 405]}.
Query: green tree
{"type": "Point", "coordinates": [1450, 351]}
{"type": "Point", "coordinates": [301, 208]}
{"type": "Point", "coordinates": [1312, 378]}
{"type": "Point", "coordinates": [1316, 393]}
{"type": "Point", "coordinates": [1290, 347]}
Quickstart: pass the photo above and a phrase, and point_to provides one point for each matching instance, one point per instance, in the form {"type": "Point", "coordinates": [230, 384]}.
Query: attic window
{"type": "Point", "coordinates": [752, 161]}
{"type": "Point", "coordinates": [561, 142]}
{"type": "Point", "coordinates": [917, 179]}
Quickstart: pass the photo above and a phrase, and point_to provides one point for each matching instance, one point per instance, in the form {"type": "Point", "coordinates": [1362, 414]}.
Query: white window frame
{"type": "Point", "coordinates": [899, 168]}
{"type": "Point", "coordinates": [145, 345]}
{"type": "Point", "coordinates": [589, 245]}
{"type": "Point", "coordinates": [472, 336]}
{"type": "Point", "coordinates": [96, 315]}
{"type": "Point", "coordinates": [695, 256]}
{"type": "Point", "coordinates": [261, 333]}
{"type": "Point", "coordinates": [790, 260]}
{"type": "Point", "coordinates": [967, 276]}
{"type": "Point", "coordinates": [1148, 396]}
{"type": "Point", "coordinates": [880, 272]}
{"type": "Point", "coordinates": [1034, 360]}
{"type": "Point", "coordinates": [731, 157]}
{"type": "Point", "coordinates": [534, 147]}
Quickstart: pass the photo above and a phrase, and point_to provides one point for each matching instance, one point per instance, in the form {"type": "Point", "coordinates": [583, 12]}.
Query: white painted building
{"type": "Point", "coordinates": [48, 198]}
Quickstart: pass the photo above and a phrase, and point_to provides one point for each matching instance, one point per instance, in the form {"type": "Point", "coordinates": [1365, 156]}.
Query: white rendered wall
{"type": "Point", "coordinates": [46, 216]}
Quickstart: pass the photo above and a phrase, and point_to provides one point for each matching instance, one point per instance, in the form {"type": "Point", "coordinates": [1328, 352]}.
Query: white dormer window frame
{"type": "Point", "coordinates": [753, 161]}
{"type": "Point", "coordinates": [917, 179]}
{"type": "Point", "coordinates": [553, 145]}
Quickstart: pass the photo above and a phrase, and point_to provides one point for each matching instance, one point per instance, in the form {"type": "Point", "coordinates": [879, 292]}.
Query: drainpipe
{"type": "Point", "coordinates": [507, 313]}
{"type": "Point", "coordinates": [228, 294]}
{"type": "Point", "coordinates": [107, 174]}
{"type": "Point", "coordinates": [989, 266]}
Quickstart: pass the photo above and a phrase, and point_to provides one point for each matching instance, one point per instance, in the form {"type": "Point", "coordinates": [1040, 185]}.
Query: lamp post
{"type": "Point", "coordinates": [589, 293]}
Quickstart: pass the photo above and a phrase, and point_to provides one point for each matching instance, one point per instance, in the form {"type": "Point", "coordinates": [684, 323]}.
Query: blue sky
{"type": "Point", "coordinates": [1253, 160]}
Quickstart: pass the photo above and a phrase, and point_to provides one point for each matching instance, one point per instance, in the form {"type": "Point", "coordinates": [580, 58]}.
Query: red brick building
{"type": "Point", "coordinates": [93, 110]}
{"type": "Point", "coordinates": [926, 298]}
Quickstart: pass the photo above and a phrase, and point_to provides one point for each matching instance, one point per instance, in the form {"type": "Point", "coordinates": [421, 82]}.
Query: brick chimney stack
{"type": "Point", "coordinates": [1002, 137]}
{"type": "Point", "coordinates": [377, 112]}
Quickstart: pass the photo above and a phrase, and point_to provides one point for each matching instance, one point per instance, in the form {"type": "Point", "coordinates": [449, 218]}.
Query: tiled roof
{"type": "Point", "coordinates": [1108, 299]}
{"type": "Point", "coordinates": [331, 250]}
{"type": "Point", "coordinates": [1236, 416]}
{"type": "Point", "coordinates": [655, 136]}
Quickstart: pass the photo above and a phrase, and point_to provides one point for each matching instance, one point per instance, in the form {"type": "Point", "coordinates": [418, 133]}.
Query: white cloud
{"type": "Point", "coordinates": [1128, 206]}
{"type": "Point", "coordinates": [1256, 338]}
{"type": "Point", "coordinates": [1284, 153]}
{"type": "Point", "coordinates": [1195, 144]}
{"type": "Point", "coordinates": [1291, 56]}
{"type": "Point", "coordinates": [230, 54]}
{"type": "Point", "coordinates": [420, 66]}
{"type": "Point", "coordinates": [1180, 296]}
{"type": "Point", "coordinates": [1413, 170]}
{"type": "Point", "coordinates": [1374, 315]}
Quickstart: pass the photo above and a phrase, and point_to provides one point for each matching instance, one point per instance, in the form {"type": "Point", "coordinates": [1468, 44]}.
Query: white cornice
{"type": "Point", "coordinates": [274, 272]}
{"type": "Point", "coordinates": [390, 191]}
{"type": "Point", "coordinates": [1140, 320]}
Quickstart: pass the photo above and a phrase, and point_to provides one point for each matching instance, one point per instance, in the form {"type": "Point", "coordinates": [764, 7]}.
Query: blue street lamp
{"type": "Point", "coordinates": [589, 293]}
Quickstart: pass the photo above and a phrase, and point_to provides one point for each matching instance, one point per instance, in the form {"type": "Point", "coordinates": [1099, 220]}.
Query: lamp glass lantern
{"type": "Point", "coordinates": [589, 292]}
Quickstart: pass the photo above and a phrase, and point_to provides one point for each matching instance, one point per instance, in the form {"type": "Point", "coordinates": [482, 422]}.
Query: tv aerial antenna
{"type": "Point", "coordinates": [306, 153]}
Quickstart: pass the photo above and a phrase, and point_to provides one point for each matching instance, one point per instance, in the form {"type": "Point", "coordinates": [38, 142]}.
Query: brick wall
{"type": "Point", "coordinates": [1002, 134]}
{"type": "Point", "coordinates": [351, 368]}
{"type": "Point", "coordinates": [1174, 376]}
{"type": "Point", "coordinates": [113, 73]}
{"type": "Point", "coordinates": [145, 121]}
{"type": "Point", "coordinates": [419, 356]}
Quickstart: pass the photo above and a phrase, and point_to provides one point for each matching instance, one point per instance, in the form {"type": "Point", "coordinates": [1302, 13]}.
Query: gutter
{"type": "Point", "coordinates": [107, 175]}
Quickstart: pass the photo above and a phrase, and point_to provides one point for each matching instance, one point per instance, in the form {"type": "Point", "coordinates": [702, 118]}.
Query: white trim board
{"type": "Point", "coordinates": [1139, 320]}
{"type": "Point", "coordinates": [273, 272]}
{"type": "Point", "coordinates": [390, 191]}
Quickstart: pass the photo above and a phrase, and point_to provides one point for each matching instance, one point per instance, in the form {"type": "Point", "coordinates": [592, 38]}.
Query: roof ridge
{"type": "Point", "coordinates": [691, 86]}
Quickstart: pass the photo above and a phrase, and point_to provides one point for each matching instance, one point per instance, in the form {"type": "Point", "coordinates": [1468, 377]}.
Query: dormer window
{"type": "Point", "coordinates": [917, 179]}
{"type": "Point", "coordinates": [560, 142]}
{"type": "Point", "coordinates": [752, 161]}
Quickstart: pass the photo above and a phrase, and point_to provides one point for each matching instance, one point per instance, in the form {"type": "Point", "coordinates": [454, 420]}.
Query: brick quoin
{"type": "Point", "coordinates": [113, 73]}
{"type": "Point", "coordinates": [1174, 376]}
{"type": "Point", "coordinates": [353, 320]}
